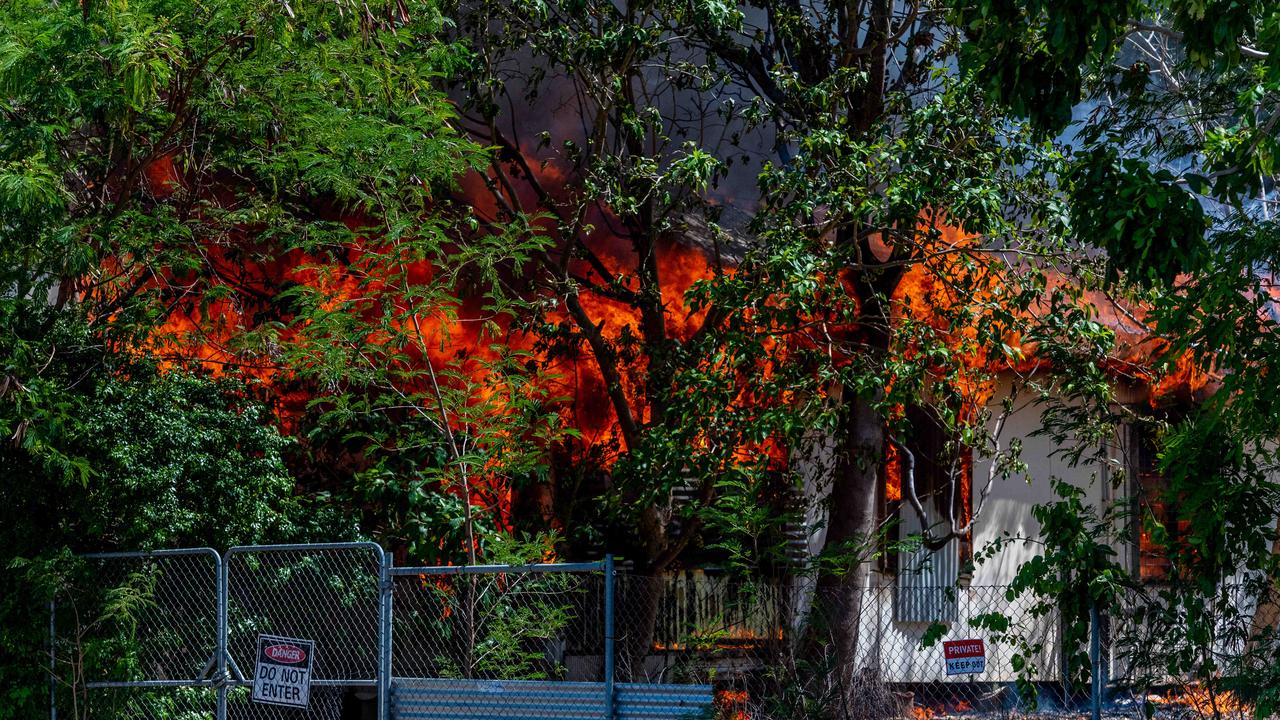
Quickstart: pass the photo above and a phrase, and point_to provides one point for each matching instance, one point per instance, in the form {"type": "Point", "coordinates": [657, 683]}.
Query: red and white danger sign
{"type": "Point", "coordinates": [965, 657]}
{"type": "Point", "coordinates": [282, 675]}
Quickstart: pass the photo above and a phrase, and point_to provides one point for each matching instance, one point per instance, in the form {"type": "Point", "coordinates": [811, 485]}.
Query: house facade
{"type": "Point", "coordinates": [913, 589]}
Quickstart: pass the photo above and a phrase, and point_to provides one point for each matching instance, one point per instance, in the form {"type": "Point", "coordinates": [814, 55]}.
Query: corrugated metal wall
{"type": "Point", "coordinates": [924, 576]}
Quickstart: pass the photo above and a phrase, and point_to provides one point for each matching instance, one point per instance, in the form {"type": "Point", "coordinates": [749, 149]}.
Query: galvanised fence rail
{"type": "Point", "coordinates": [173, 635]}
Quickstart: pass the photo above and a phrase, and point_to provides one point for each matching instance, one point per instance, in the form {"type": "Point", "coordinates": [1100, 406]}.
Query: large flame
{"type": "Point", "coordinates": [237, 293]}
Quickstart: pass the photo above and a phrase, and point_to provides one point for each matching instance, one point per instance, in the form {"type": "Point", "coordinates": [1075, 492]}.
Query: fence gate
{"type": "Point", "coordinates": [138, 635]}
{"type": "Point", "coordinates": [172, 634]}
{"type": "Point", "coordinates": [329, 594]}
{"type": "Point", "coordinates": [503, 642]}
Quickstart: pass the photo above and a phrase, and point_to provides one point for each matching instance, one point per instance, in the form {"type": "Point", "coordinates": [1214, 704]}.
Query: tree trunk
{"type": "Point", "coordinates": [851, 528]}
{"type": "Point", "coordinates": [636, 623]}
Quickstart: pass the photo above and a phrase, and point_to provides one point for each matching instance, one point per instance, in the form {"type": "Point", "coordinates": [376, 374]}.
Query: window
{"type": "Point", "coordinates": [1152, 501]}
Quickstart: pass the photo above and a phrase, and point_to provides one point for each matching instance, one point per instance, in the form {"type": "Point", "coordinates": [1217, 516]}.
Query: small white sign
{"type": "Point", "coordinates": [965, 657]}
{"type": "Point", "coordinates": [282, 675]}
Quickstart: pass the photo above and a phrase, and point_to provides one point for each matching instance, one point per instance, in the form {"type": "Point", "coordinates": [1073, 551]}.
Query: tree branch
{"type": "Point", "coordinates": [1141, 26]}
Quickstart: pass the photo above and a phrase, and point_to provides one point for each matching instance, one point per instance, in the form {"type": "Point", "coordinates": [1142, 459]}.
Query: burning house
{"type": "Point", "coordinates": [607, 297]}
{"type": "Point", "coordinates": [928, 480]}
{"type": "Point", "coordinates": [957, 522]}
{"type": "Point", "coordinates": [765, 301]}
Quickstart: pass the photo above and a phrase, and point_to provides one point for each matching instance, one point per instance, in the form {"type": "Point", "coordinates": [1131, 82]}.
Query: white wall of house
{"type": "Point", "coordinates": [893, 642]}
{"type": "Point", "coordinates": [1008, 507]}
{"type": "Point", "coordinates": [899, 609]}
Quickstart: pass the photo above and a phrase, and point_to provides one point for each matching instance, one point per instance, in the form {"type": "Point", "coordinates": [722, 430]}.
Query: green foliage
{"type": "Point", "coordinates": [497, 625]}
{"type": "Point", "coordinates": [160, 461]}
{"type": "Point", "coordinates": [166, 460]}
{"type": "Point", "coordinates": [153, 154]}
{"type": "Point", "coordinates": [1218, 494]}
{"type": "Point", "coordinates": [925, 329]}
{"type": "Point", "coordinates": [1076, 573]}
{"type": "Point", "coordinates": [187, 460]}
{"type": "Point", "coordinates": [1036, 57]}
{"type": "Point", "coordinates": [1175, 179]}
{"type": "Point", "coordinates": [1151, 229]}
{"type": "Point", "coordinates": [436, 418]}
{"type": "Point", "coordinates": [1177, 119]}
{"type": "Point", "coordinates": [848, 285]}
{"type": "Point", "coordinates": [1029, 55]}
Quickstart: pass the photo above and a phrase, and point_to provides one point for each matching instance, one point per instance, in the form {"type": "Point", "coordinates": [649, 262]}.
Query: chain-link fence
{"type": "Point", "coordinates": [538, 623]}
{"type": "Point", "coordinates": [174, 635]}
{"type": "Point", "coordinates": [328, 594]}
{"type": "Point", "coordinates": [1176, 646]}
{"type": "Point", "coordinates": [800, 650]}
{"type": "Point", "coordinates": [136, 635]}
{"type": "Point", "coordinates": [517, 643]}
{"type": "Point", "coordinates": [788, 650]}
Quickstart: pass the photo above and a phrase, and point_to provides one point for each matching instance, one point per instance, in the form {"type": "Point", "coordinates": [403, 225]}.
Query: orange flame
{"type": "Point", "coordinates": [732, 704]}
{"type": "Point", "coordinates": [203, 328]}
{"type": "Point", "coordinates": [1204, 702]}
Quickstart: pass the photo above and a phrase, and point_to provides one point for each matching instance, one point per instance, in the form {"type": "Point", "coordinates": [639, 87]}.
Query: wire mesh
{"type": "Point", "coordinates": [329, 595]}
{"type": "Point", "coordinates": [1159, 635]}
{"type": "Point", "coordinates": [137, 637]}
{"type": "Point", "coordinates": [326, 703]}
{"type": "Point", "coordinates": [135, 618]}
{"type": "Point", "coordinates": [140, 703]}
{"type": "Point", "coordinates": [797, 650]}
{"type": "Point", "coordinates": [525, 625]}
{"type": "Point", "coordinates": [144, 616]}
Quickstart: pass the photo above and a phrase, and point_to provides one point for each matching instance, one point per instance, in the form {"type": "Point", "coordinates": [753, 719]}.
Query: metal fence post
{"type": "Point", "coordinates": [220, 667]}
{"type": "Point", "coordinates": [608, 637]}
{"type": "Point", "coordinates": [1095, 662]}
{"type": "Point", "coordinates": [384, 638]}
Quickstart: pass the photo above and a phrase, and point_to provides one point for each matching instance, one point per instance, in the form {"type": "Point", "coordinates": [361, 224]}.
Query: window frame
{"type": "Point", "coordinates": [1149, 496]}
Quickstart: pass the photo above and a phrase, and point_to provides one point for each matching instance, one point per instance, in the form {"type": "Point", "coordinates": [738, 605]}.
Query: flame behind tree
{"type": "Point", "coordinates": [308, 243]}
{"type": "Point", "coordinates": [261, 190]}
{"type": "Point", "coordinates": [808, 140]}
{"type": "Point", "coordinates": [166, 169]}
{"type": "Point", "coordinates": [279, 196]}
{"type": "Point", "coordinates": [183, 166]}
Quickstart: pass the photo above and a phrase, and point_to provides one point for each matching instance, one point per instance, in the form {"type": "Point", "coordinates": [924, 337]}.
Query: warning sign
{"type": "Point", "coordinates": [283, 672]}
{"type": "Point", "coordinates": [965, 657]}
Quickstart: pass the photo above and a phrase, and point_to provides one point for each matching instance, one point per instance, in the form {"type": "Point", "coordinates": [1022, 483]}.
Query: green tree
{"type": "Point", "coordinates": [841, 297]}
{"type": "Point", "coordinates": [137, 461]}
{"type": "Point", "coordinates": [158, 161]}
{"type": "Point", "coordinates": [1174, 174]}
{"type": "Point", "coordinates": [260, 187]}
